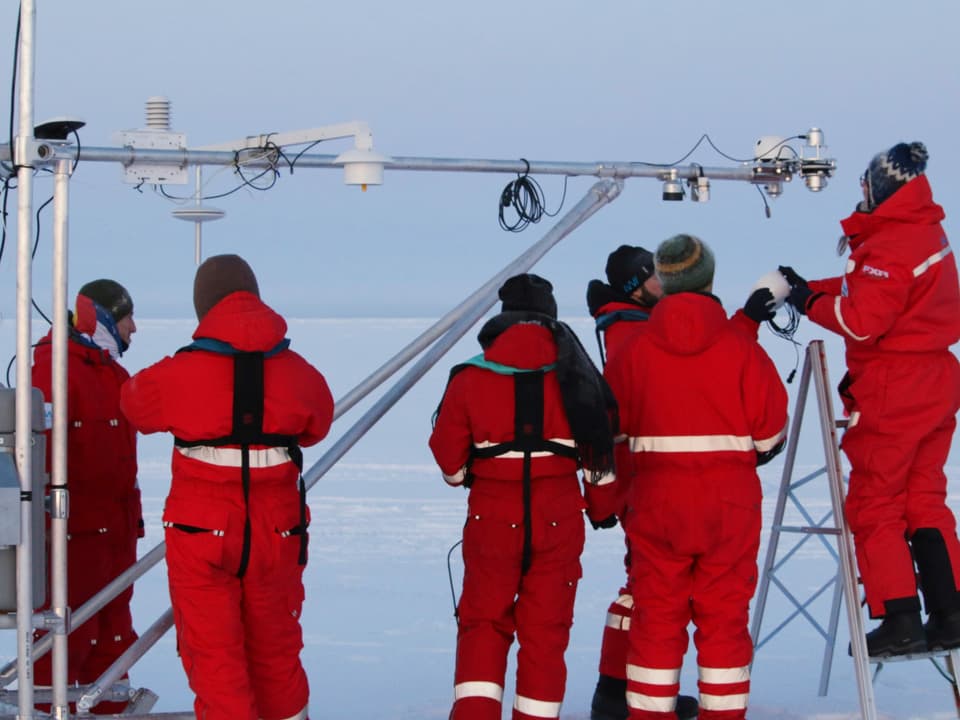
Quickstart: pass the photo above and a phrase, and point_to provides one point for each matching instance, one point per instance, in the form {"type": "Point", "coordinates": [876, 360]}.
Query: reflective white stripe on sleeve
{"type": "Point", "coordinates": [771, 442]}
{"type": "Point", "coordinates": [651, 703]}
{"type": "Point", "coordinates": [618, 622]}
{"type": "Point", "coordinates": [230, 457]}
{"type": "Point", "coordinates": [853, 419]}
{"type": "Point", "coordinates": [653, 676]}
{"type": "Point", "coordinates": [723, 702]}
{"type": "Point", "coordinates": [932, 260]}
{"type": "Point", "coordinates": [724, 676]}
{"type": "Point", "coordinates": [537, 708]}
{"type": "Point", "coordinates": [478, 688]}
{"type": "Point", "coordinates": [457, 478]}
{"type": "Point", "coordinates": [619, 438]}
{"type": "Point", "coordinates": [848, 331]}
{"type": "Point", "coordinates": [691, 443]}
{"type": "Point", "coordinates": [518, 454]}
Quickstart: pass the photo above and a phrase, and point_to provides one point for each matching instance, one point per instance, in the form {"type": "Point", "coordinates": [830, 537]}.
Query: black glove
{"type": "Point", "coordinates": [793, 280]}
{"type": "Point", "coordinates": [607, 522]}
{"type": "Point", "coordinates": [760, 305]}
{"type": "Point", "coordinates": [798, 297]}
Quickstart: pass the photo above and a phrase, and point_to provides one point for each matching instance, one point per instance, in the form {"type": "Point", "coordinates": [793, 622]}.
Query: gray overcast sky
{"type": "Point", "coordinates": [561, 80]}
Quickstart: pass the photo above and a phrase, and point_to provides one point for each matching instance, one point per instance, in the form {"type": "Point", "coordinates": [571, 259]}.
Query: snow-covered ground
{"type": "Point", "coordinates": [378, 621]}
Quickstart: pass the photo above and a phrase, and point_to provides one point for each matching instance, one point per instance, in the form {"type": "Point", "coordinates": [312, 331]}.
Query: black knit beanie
{"type": "Point", "coordinates": [629, 267]}
{"type": "Point", "coordinates": [110, 295]}
{"type": "Point", "coordinates": [219, 276]}
{"type": "Point", "coordinates": [530, 293]}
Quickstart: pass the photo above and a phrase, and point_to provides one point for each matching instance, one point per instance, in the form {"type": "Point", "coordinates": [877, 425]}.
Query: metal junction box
{"type": "Point", "coordinates": [10, 524]}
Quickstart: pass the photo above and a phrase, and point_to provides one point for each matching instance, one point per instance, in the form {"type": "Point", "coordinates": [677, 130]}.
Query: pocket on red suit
{"type": "Point", "coordinates": [196, 532]}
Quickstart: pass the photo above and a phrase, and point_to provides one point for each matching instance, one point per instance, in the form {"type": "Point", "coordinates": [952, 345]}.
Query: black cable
{"type": "Point", "coordinates": [453, 593]}
{"type": "Point", "coordinates": [706, 138]}
{"type": "Point", "coordinates": [13, 83]}
{"type": "Point", "coordinates": [766, 205]}
{"type": "Point", "coordinates": [786, 332]}
{"type": "Point", "coordinates": [525, 197]}
{"type": "Point", "coordinates": [76, 158]}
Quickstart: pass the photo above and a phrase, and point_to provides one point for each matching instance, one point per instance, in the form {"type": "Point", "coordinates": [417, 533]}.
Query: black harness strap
{"type": "Point", "coordinates": [528, 435]}
{"type": "Point", "coordinates": [247, 430]}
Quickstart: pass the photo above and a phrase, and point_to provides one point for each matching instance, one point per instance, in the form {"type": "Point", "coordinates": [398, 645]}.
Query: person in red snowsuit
{"type": "Point", "coordinates": [240, 405]}
{"type": "Point", "coordinates": [898, 309]}
{"type": "Point", "coordinates": [621, 307]}
{"type": "Point", "coordinates": [105, 516]}
{"type": "Point", "coordinates": [716, 410]}
{"type": "Point", "coordinates": [513, 425]}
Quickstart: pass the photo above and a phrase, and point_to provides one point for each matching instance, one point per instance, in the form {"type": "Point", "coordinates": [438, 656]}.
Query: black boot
{"type": "Point", "coordinates": [609, 699]}
{"type": "Point", "coordinates": [687, 707]}
{"type": "Point", "coordinates": [898, 634]}
{"type": "Point", "coordinates": [943, 630]}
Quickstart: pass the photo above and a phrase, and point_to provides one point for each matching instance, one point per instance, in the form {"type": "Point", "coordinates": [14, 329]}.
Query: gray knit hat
{"type": "Point", "coordinates": [684, 263]}
{"type": "Point", "coordinates": [891, 170]}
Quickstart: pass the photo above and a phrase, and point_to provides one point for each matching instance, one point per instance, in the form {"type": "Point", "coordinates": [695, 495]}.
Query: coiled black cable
{"type": "Point", "coordinates": [525, 197]}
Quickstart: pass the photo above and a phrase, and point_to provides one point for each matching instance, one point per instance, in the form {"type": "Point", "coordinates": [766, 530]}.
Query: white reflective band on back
{"type": "Point", "coordinates": [618, 622]}
{"type": "Point", "coordinates": [770, 443]}
{"type": "Point", "coordinates": [457, 478]}
{"type": "Point", "coordinates": [518, 454]}
{"type": "Point", "coordinates": [653, 676]}
{"type": "Point", "coordinates": [650, 703]}
{"type": "Point", "coordinates": [478, 688]}
{"type": "Point", "coordinates": [723, 702]}
{"type": "Point", "coordinates": [932, 260]}
{"type": "Point", "coordinates": [724, 676]}
{"type": "Point", "coordinates": [854, 419]}
{"type": "Point", "coordinates": [230, 457]}
{"type": "Point", "coordinates": [848, 331]}
{"type": "Point", "coordinates": [691, 443]}
{"type": "Point", "coordinates": [625, 601]}
{"type": "Point", "coordinates": [537, 708]}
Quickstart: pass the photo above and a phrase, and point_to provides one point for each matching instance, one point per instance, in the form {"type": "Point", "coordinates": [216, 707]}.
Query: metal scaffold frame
{"type": "Point", "coordinates": [361, 166]}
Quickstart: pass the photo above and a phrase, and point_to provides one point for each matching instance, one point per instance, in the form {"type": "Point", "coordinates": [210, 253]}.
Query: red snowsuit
{"type": "Point", "coordinates": [105, 517]}
{"type": "Point", "coordinates": [694, 527]}
{"type": "Point", "coordinates": [239, 638]}
{"type": "Point", "coordinates": [498, 600]}
{"type": "Point", "coordinates": [620, 322]}
{"type": "Point", "coordinates": [898, 310]}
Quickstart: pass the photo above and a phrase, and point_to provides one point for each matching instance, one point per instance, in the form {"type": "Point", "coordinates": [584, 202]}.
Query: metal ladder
{"type": "Point", "coordinates": [844, 584]}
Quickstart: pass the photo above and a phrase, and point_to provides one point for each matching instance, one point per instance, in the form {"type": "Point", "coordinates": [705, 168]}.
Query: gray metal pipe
{"type": "Point", "coordinates": [59, 496]}
{"type": "Point", "coordinates": [599, 195]}
{"type": "Point", "coordinates": [123, 663]}
{"type": "Point", "coordinates": [24, 411]}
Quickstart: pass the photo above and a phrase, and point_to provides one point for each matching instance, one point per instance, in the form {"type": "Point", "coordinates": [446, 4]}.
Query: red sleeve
{"type": "Point", "coordinates": [142, 398]}
{"type": "Point", "coordinates": [451, 438]}
{"type": "Point", "coordinates": [765, 400]}
{"type": "Point", "coordinates": [744, 324]}
{"type": "Point", "coordinates": [315, 394]}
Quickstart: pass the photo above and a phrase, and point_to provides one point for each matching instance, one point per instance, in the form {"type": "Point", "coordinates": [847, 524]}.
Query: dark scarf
{"type": "Point", "coordinates": [587, 399]}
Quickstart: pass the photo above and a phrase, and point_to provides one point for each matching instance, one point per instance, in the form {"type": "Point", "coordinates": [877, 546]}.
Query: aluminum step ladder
{"type": "Point", "coordinates": [843, 585]}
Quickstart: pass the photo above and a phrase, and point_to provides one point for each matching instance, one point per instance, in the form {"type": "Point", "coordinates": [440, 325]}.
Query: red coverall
{"type": "Point", "coordinates": [695, 435]}
{"type": "Point", "coordinates": [105, 516]}
{"type": "Point", "coordinates": [616, 335]}
{"type": "Point", "coordinates": [497, 599]}
{"type": "Point", "coordinates": [898, 310]}
{"type": "Point", "coordinates": [239, 638]}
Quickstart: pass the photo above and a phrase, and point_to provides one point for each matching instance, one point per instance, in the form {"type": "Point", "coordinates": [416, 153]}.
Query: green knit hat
{"type": "Point", "coordinates": [684, 263]}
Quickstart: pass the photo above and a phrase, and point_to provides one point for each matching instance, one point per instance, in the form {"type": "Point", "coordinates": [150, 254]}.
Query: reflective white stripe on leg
{"type": "Point", "coordinates": [724, 676]}
{"type": "Point", "coordinates": [537, 708]}
{"type": "Point", "coordinates": [618, 622]}
{"type": "Point", "coordinates": [653, 676]}
{"type": "Point", "coordinates": [478, 688]}
{"type": "Point", "coordinates": [723, 702]}
{"type": "Point", "coordinates": [651, 703]}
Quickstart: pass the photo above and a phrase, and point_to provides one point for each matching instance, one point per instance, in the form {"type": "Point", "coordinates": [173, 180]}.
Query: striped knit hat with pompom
{"type": "Point", "coordinates": [891, 170]}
